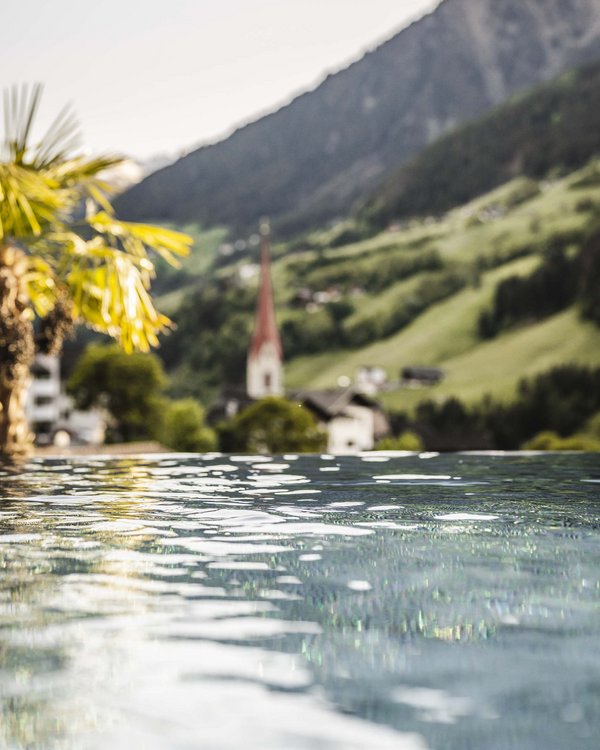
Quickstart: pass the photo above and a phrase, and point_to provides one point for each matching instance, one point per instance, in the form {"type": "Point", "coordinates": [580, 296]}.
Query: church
{"type": "Point", "coordinates": [353, 421]}
{"type": "Point", "coordinates": [264, 369]}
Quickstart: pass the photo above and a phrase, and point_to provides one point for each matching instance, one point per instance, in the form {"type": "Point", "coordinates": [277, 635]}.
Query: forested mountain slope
{"type": "Point", "coordinates": [315, 158]}
{"type": "Point", "coordinates": [553, 129]}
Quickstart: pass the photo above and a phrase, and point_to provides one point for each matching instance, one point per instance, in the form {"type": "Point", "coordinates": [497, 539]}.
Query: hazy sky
{"type": "Point", "coordinates": [152, 76]}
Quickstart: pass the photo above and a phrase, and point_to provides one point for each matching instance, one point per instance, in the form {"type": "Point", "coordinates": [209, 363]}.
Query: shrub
{"type": "Point", "coordinates": [551, 441]}
{"type": "Point", "coordinates": [183, 427]}
{"type": "Point", "coordinates": [407, 441]}
{"type": "Point", "coordinates": [272, 425]}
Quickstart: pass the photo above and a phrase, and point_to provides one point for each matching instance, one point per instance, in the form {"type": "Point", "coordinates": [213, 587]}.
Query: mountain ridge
{"type": "Point", "coordinates": [311, 160]}
{"type": "Point", "coordinates": [551, 129]}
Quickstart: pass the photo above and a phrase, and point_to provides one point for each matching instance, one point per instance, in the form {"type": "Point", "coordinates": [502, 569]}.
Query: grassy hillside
{"type": "Point", "coordinates": [445, 330]}
{"type": "Point", "coordinates": [472, 371]}
{"type": "Point", "coordinates": [489, 240]}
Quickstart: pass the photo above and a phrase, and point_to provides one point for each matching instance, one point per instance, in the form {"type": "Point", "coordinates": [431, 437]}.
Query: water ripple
{"type": "Point", "coordinates": [301, 602]}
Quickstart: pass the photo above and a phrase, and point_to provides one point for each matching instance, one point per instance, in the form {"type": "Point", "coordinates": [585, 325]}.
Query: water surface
{"type": "Point", "coordinates": [406, 602]}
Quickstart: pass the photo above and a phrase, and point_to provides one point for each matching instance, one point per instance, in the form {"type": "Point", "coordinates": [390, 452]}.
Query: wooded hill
{"type": "Point", "coordinates": [500, 287]}
{"type": "Point", "coordinates": [552, 130]}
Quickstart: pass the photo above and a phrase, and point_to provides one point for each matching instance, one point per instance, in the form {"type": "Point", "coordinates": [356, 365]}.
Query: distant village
{"type": "Point", "coordinates": [350, 413]}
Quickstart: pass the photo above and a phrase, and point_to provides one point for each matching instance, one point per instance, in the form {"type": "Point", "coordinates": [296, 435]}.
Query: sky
{"type": "Point", "coordinates": [150, 77]}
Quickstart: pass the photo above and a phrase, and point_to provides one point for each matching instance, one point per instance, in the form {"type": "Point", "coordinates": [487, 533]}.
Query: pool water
{"type": "Point", "coordinates": [408, 602]}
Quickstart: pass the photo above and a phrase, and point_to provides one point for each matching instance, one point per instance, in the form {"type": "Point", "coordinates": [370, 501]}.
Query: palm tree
{"type": "Point", "coordinates": [64, 256]}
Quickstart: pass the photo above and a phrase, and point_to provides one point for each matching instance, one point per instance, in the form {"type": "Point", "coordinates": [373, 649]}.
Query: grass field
{"type": "Point", "coordinates": [445, 330]}
{"type": "Point", "coordinates": [445, 335]}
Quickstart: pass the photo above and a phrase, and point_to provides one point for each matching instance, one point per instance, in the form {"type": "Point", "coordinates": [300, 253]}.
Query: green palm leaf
{"type": "Point", "coordinates": [101, 263]}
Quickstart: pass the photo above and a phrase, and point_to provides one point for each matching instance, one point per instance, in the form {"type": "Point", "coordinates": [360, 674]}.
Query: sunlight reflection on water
{"type": "Point", "coordinates": [218, 602]}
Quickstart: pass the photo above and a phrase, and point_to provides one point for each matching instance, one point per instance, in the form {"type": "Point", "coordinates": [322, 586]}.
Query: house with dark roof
{"type": "Point", "coordinates": [421, 376]}
{"type": "Point", "coordinates": [354, 422]}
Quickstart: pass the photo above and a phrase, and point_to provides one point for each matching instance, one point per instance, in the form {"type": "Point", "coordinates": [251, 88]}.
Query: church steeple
{"type": "Point", "coordinates": [264, 374]}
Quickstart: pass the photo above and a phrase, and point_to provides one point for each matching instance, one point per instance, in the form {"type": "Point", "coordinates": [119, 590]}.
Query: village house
{"type": "Point", "coordinates": [418, 377]}
{"type": "Point", "coordinates": [51, 413]}
{"type": "Point", "coordinates": [353, 421]}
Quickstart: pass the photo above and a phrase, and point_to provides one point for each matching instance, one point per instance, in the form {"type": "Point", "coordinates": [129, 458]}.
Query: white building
{"type": "Point", "coordinates": [51, 413]}
{"type": "Point", "coordinates": [354, 422]}
{"type": "Point", "coordinates": [42, 406]}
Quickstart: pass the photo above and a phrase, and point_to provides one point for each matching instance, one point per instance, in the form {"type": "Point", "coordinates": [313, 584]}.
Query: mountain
{"type": "Point", "coordinates": [312, 160]}
{"type": "Point", "coordinates": [131, 171]}
{"type": "Point", "coordinates": [555, 128]}
{"type": "Point", "coordinates": [347, 294]}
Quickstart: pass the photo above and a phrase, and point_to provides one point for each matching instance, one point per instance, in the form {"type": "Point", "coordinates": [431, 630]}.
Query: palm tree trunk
{"type": "Point", "coordinates": [16, 354]}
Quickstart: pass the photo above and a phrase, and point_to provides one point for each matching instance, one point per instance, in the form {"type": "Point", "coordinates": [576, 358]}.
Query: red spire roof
{"type": "Point", "coordinates": [265, 325]}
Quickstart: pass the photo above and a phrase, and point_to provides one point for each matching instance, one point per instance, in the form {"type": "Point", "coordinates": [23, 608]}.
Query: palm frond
{"type": "Point", "coordinates": [29, 200]}
{"type": "Point", "coordinates": [42, 285]}
{"type": "Point", "coordinates": [61, 138]}
{"type": "Point", "coordinates": [21, 105]}
{"type": "Point", "coordinates": [112, 297]}
{"type": "Point", "coordinates": [136, 238]}
{"type": "Point", "coordinates": [85, 175]}
{"type": "Point", "coordinates": [100, 264]}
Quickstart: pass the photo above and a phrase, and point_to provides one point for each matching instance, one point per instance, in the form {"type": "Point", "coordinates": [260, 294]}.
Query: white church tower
{"type": "Point", "coordinates": [264, 372]}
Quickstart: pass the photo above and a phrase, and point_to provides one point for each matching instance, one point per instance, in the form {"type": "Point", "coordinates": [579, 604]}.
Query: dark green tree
{"type": "Point", "coordinates": [183, 427]}
{"type": "Point", "coordinates": [520, 299]}
{"type": "Point", "coordinates": [128, 386]}
{"type": "Point", "coordinates": [589, 292]}
{"type": "Point", "coordinates": [272, 425]}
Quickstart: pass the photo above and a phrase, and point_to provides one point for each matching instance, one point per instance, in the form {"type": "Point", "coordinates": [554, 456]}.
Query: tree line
{"type": "Point", "coordinates": [554, 406]}
{"type": "Point", "coordinates": [561, 281]}
{"type": "Point", "coordinates": [560, 401]}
